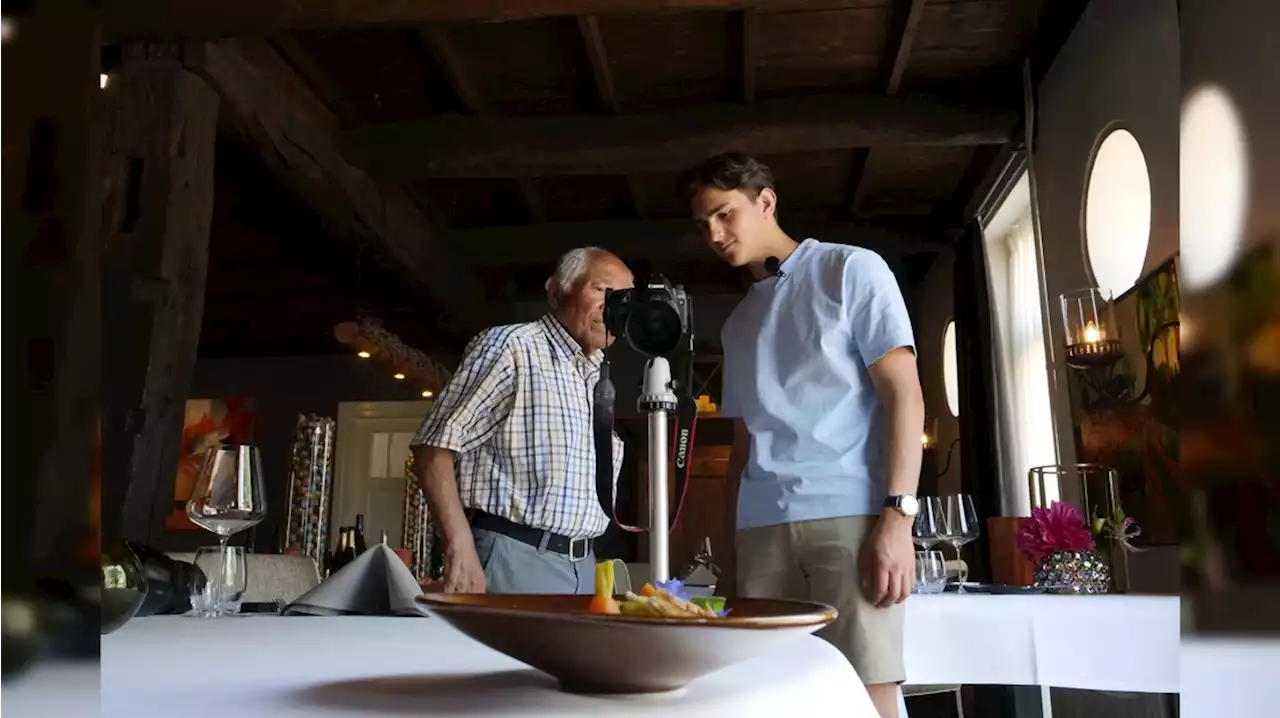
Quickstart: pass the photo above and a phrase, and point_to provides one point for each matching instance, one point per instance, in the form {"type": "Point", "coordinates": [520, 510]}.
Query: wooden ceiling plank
{"type": "Point", "coordinates": [899, 50]}
{"type": "Point", "coordinates": [598, 59]}
{"type": "Point", "coordinates": [455, 147]}
{"type": "Point", "coordinates": [749, 42]}
{"type": "Point", "coordinates": [221, 18]}
{"type": "Point", "coordinates": [469, 94]}
{"type": "Point", "coordinates": [309, 161]}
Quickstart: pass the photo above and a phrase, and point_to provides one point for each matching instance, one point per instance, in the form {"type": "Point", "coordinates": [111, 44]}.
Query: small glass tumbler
{"type": "Point", "coordinates": [224, 581]}
{"type": "Point", "coordinates": [931, 572]}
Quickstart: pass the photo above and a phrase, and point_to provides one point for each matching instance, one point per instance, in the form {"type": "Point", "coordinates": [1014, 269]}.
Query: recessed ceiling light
{"type": "Point", "coordinates": [398, 375]}
{"type": "Point", "coordinates": [363, 355]}
{"type": "Point", "coordinates": [426, 393]}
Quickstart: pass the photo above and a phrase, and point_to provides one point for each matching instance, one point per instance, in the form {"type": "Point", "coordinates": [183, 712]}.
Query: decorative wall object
{"type": "Point", "coordinates": [419, 530]}
{"type": "Point", "coordinates": [1139, 439]}
{"type": "Point", "coordinates": [373, 342]}
{"type": "Point", "coordinates": [310, 487]}
{"type": "Point", "coordinates": [206, 424]}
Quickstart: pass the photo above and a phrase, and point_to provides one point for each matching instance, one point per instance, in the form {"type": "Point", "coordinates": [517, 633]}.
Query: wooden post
{"type": "Point", "coordinates": [53, 319]}
{"type": "Point", "coordinates": [158, 153]}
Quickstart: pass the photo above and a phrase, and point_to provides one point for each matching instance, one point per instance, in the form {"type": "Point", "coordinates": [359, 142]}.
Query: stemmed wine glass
{"type": "Point", "coordinates": [960, 519]}
{"type": "Point", "coordinates": [929, 524]}
{"type": "Point", "coordinates": [228, 496]}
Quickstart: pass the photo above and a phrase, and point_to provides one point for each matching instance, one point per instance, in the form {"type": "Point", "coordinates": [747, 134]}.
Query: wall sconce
{"type": "Point", "coordinates": [1094, 348]}
{"type": "Point", "coordinates": [929, 438]}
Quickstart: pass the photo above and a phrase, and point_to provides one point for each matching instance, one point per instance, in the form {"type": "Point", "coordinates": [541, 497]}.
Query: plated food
{"type": "Point", "coordinates": [666, 599]}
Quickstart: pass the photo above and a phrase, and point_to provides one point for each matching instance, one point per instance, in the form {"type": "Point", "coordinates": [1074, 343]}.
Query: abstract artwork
{"type": "Point", "coordinates": [206, 424]}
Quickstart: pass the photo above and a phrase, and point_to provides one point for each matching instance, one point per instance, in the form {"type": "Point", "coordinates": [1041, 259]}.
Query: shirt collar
{"type": "Point", "coordinates": [565, 346]}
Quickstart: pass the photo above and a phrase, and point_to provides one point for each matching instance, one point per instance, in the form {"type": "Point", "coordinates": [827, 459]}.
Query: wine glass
{"type": "Point", "coordinates": [228, 497]}
{"type": "Point", "coordinates": [961, 521]}
{"type": "Point", "coordinates": [929, 523]}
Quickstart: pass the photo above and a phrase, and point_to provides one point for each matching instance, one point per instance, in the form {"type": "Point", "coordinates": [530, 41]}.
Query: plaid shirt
{"type": "Point", "coordinates": [518, 415]}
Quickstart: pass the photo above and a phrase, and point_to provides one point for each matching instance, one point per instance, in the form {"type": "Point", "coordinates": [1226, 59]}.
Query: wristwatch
{"type": "Point", "coordinates": [905, 504]}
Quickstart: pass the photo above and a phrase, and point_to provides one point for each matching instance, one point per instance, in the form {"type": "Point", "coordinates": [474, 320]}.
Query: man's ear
{"type": "Point", "coordinates": [553, 298]}
{"type": "Point", "coordinates": [768, 201]}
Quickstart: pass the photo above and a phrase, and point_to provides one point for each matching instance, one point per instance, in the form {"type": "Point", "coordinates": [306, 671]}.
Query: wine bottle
{"type": "Point", "coordinates": [169, 582]}
{"type": "Point", "coordinates": [349, 553]}
{"type": "Point", "coordinates": [359, 533]}
{"type": "Point", "coordinates": [339, 558]}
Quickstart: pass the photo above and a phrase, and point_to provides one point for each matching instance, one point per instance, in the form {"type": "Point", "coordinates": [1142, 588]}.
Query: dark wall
{"type": "Point", "coordinates": [285, 387]}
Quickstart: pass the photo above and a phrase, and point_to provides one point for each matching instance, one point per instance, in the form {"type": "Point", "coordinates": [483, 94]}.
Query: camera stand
{"type": "Point", "coordinates": [657, 400]}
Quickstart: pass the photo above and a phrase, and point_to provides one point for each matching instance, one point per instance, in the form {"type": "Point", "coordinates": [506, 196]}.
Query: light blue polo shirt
{"type": "Point", "coordinates": [796, 352]}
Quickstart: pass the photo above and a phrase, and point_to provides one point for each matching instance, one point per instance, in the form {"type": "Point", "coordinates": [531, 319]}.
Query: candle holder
{"type": "Point", "coordinates": [929, 438]}
{"type": "Point", "coordinates": [1094, 347]}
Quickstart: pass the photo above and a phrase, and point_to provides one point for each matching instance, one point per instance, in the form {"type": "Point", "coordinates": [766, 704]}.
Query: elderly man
{"type": "Point", "coordinates": [506, 457]}
{"type": "Point", "coordinates": [820, 371]}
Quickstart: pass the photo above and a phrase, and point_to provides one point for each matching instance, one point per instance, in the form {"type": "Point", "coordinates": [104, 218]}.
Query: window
{"type": "Point", "coordinates": [1117, 213]}
{"type": "Point", "coordinates": [1026, 412]}
{"type": "Point", "coordinates": [951, 368]}
{"type": "Point", "coordinates": [1214, 178]}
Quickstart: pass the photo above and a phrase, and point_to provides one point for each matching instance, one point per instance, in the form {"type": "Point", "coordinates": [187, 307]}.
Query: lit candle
{"type": "Point", "coordinates": [1091, 333]}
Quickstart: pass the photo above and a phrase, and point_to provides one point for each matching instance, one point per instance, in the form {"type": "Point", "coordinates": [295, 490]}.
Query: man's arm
{"type": "Point", "coordinates": [889, 570]}
{"type": "Point", "coordinates": [897, 382]}
{"type": "Point", "coordinates": [434, 468]}
{"type": "Point", "coordinates": [466, 414]}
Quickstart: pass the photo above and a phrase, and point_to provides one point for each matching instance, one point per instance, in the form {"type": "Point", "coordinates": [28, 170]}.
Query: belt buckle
{"type": "Point", "coordinates": [586, 548]}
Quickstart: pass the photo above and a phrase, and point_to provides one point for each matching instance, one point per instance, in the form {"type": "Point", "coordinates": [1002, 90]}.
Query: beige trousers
{"type": "Point", "coordinates": [819, 561]}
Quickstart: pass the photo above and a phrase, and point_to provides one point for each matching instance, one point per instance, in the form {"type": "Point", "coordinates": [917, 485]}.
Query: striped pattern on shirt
{"type": "Point", "coordinates": [517, 413]}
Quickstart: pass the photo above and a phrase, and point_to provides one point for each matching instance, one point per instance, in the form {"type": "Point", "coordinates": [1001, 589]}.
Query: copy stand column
{"type": "Point", "coordinates": [657, 400]}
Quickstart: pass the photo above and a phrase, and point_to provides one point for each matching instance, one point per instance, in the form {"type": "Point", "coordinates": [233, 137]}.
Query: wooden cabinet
{"type": "Point", "coordinates": [705, 509]}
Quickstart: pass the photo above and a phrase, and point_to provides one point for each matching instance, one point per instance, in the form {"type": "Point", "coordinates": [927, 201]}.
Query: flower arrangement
{"type": "Point", "coordinates": [1059, 528]}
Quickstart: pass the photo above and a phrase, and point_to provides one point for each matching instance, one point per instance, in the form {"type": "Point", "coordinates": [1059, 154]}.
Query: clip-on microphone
{"type": "Point", "coordinates": [774, 267]}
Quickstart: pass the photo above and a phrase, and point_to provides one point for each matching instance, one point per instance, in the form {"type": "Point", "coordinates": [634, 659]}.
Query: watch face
{"type": "Point", "coordinates": [909, 505]}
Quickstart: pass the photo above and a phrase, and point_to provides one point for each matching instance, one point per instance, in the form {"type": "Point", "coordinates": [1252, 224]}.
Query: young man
{"type": "Point", "coordinates": [820, 371]}
{"type": "Point", "coordinates": [505, 457]}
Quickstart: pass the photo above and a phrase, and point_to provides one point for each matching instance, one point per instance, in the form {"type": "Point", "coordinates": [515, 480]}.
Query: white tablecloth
{"type": "Point", "coordinates": [171, 667]}
{"type": "Point", "coordinates": [1117, 643]}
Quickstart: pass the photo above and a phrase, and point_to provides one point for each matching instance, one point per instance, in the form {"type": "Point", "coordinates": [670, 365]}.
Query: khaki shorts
{"type": "Point", "coordinates": [818, 561]}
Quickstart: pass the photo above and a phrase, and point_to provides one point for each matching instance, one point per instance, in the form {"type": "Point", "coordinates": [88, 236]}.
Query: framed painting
{"type": "Point", "coordinates": [207, 423]}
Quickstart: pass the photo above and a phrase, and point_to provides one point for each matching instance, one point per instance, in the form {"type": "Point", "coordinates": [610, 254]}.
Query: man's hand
{"type": "Point", "coordinates": [888, 560]}
{"type": "Point", "coordinates": [462, 570]}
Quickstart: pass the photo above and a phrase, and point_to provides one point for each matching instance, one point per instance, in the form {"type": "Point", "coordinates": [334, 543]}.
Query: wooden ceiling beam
{"type": "Point", "coordinates": [222, 18]}
{"type": "Point", "coordinates": [598, 59]}
{"type": "Point", "coordinates": [471, 96]}
{"type": "Point", "coordinates": [899, 49]}
{"type": "Point", "coordinates": [249, 73]}
{"type": "Point", "coordinates": [319, 80]}
{"type": "Point", "coordinates": [457, 147]}
{"type": "Point", "coordinates": [894, 66]}
{"type": "Point", "coordinates": [747, 49]}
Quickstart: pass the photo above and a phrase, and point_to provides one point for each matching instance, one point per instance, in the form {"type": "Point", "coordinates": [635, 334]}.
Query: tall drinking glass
{"type": "Point", "coordinates": [961, 521]}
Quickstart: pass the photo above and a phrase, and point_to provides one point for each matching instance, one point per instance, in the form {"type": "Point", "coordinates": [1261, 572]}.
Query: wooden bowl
{"type": "Point", "coordinates": [591, 653]}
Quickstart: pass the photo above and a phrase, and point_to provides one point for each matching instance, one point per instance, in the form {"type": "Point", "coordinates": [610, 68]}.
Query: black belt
{"type": "Point", "coordinates": [575, 548]}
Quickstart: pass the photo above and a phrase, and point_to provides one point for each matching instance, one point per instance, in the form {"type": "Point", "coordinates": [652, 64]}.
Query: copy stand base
{"type": "Point", "coordinates": [657, 400]}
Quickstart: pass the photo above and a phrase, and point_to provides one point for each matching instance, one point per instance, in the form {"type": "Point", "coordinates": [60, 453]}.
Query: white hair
{"type": "Point", "coordinates": [570, 270]}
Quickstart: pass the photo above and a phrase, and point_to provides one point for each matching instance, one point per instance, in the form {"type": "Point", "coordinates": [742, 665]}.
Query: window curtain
{"type": "Point", "coordinates": [1027, 434]}
{"type": "Point", "coordinates": [979, 414]}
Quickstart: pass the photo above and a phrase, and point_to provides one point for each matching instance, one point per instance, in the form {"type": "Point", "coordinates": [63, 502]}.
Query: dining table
{"type": "Point", "coordinates": [267, 665]}
{"type": "Point", "coordinates": [362, 666]}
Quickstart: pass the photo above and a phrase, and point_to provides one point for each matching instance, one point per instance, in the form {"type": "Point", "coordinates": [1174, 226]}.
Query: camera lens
{"type": "Point", "coordinates": [654, 328]}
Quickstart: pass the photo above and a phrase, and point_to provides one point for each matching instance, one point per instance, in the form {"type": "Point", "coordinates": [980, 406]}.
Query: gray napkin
{"type": "Point", "coordinates": [377, 583]}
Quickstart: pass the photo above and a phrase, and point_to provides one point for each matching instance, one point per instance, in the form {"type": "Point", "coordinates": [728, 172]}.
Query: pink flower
{"type": "Point", "coordinates": [1059, 528]}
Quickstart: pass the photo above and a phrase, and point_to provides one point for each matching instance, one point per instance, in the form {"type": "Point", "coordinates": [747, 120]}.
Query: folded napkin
{"type": "Point", "coordinates": [377, 583]}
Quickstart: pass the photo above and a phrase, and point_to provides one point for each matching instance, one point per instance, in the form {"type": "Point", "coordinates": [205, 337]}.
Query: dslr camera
{"type": "Point", "coordinates": [654, 318]}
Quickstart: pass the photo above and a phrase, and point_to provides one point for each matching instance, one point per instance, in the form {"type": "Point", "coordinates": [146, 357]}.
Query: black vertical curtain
{"type": "Point", "coordinates": [975, 358]}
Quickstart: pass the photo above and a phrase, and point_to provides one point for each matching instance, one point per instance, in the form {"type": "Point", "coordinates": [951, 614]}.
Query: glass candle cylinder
{"type": "Point", "coordinates": [1092, 335]}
